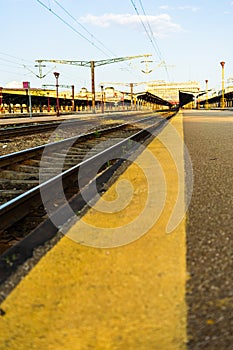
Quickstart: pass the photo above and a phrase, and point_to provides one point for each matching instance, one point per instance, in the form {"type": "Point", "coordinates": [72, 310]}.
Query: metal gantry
{"type": "Point", "coordinates": [131, 85]}
{"type": "Point", "coordinates": [90, 64]}
{"type": "Point", "coordinates": [63, 86]}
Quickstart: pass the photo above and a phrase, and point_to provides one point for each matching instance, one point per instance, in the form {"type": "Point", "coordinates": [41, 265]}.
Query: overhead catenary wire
{"type": "Point", "coordinates": [15, 57]}
{"type": "Point", "coordinates": [152, 37]}
{"type": "Point", "coordinates": [146, 30]}
{"type": "Point", "coordinates": [87, 31]}
{"type": "Point", "coordinates": [8, 61]}
{"type": "Point", "coordinates": [49, 8]}
{"type": "Point", "coordinates": [71, 26]}
{"type": "Point", "coordinates": [149, 31]}
{"type": "Point", "coordinates": [18, 63]}
{"type": "Point", "coordinates": [84, 28]}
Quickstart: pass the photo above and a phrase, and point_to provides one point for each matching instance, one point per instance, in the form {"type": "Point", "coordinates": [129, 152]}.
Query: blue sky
{"type": "Point", "coordinates": [190, 36]}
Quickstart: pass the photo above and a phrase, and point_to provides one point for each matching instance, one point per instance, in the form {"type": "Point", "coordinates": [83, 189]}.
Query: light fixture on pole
{"type": "Point", "coordinates": [56, 74]}
{"type": "Point", "coordinates": [102, 99]}
{"type": "Point", "coordinates": [26, 86]}
{"type": "Point", "coordinates": [92, 65]}
{"type": "Point", "coordinates": [223, 100]}
{"type": "Point", "coordinates": [1, 88]}
{"type": "Point", "coordinates": [72, 96]}
{"type": "Point", "coordinates": [207, 97]}
{"type": "Point", "coordinates": [131, 94]}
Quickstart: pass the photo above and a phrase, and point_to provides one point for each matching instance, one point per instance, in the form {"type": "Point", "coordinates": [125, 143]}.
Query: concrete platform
{"type": "Point", "coordinates": [209, 291]}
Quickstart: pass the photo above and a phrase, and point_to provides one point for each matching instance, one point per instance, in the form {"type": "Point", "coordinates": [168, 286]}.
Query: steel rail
{"type": "Point", "coordinates": [10, 132]}
{"type": "Point", "coordinates": [56, 145]}
{"type": "Point", "coordinates": [27, 153]}
{"type": "Point", "coordinates": [21, 130]}
{"type": "Point", "coordinates": [20, 206]}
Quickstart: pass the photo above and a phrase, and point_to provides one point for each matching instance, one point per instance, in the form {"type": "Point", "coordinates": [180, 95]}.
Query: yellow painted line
{"type": "Point", "coordinates": [128, 297]}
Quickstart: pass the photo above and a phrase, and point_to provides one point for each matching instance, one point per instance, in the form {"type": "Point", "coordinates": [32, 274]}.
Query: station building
{"type": "Point", "coordinates": [16, 100]}
{"type": "Point", "coordinates": [170, 91]}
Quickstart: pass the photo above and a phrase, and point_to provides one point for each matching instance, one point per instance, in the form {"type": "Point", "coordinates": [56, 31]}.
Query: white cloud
{"type": "Point", "coordinates": [14, 85]}
{"type": "Point", "coordinates": [164, 7]}
{"type": "Point", "coordinates": [182, 8]}
{"type": "Point", "coordinates": [187, 7]}
{"type": "Point", "coordinates": [161, 25]}
{"type": "Point", "coordinates": [109, 18]}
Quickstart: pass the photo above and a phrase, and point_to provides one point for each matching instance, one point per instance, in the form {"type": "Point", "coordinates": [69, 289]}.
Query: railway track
{"type": "Point", "coordinates": [20, 170]}
{"type": "Point", "coordinates": [8, 132]}
{"type": "Point", "coordinates": [37, 184]}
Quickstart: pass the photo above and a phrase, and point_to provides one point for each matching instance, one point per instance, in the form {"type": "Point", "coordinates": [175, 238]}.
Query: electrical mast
{"type": "Point", "coordinates": [92, 65]}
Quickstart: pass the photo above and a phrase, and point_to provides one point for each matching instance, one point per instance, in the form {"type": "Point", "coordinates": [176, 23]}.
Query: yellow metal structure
{"type": "Point", "coordinates": [223, 85]}
{"type": "Point", "coordinates": [92, 65]}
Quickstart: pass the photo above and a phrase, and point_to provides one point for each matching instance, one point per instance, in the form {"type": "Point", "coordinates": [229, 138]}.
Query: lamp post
{"type": "Point", "coordinates": [26, 86]}
{"type": "Point", "coordinates": [87, 102]}
{"type": "Point", "coordinates": [207, 97]}
{"type": "Point", "coordinates": [48, 102]}
{"type": "Point", "coordinates": [56, 74]}
{"type": "Point", "coordinates": [92, 65]}
{"type": "Point", "coordinates": [102, 99]}
{"type": "Point", "coordinates": [1, 88]}
{"type": "Point", "coordinates": [72, 96]}
{"type": "Point", "coordinates": [131, 95]}
{"type": "Point", "coordinates": [223, 101]}
{"type": "Point", "coordinates": [123, 100]}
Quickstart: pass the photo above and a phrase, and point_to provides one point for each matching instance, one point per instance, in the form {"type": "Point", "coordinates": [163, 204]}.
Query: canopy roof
{"type": "Point", "coordinates": [148, 97]}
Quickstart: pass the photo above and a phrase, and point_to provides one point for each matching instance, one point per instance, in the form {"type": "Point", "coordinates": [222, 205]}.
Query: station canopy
{"type": "Point", "coordinates": [148, 97]}
{"type": "Point", "coordinates": [188, 96]}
